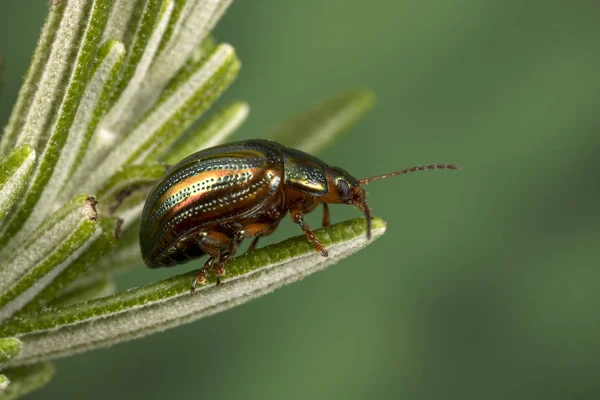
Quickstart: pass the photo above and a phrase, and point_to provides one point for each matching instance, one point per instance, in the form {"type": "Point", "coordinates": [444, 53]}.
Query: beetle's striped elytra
{"type": "Point", "coordinates": [212, 200]}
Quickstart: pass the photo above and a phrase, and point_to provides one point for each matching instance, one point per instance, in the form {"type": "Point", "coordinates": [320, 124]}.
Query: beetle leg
{"type": "Point", "coordinates": [326, 216]}
{"type": "Point", "coordinates": [298, 218]}
{"type": "Point", "coordinates": [253, 244]}
{"type": "Point", "coordinates": [201, 277]}
{"type": "Point", "coordinates": [212, 243]}
{"type": "Point", "coordinates": [226, 255]}
{"type": "Point", "coordinates": [259, 229]}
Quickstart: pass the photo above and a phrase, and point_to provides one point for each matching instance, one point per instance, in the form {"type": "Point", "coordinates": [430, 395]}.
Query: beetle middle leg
{"type": "Point", "coordinates": [298, 218]}
{"type": "Point", "coordinates": [259, 229]}
{"type": "Point", "coordinates": [326, 216]}
{"type": "Point", "coordinates": [213, 243]}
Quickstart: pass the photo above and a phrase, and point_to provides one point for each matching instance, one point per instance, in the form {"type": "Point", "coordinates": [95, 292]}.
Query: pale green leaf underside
{"type": "Point", "coordinates": [155, 307]}
{"type": "Point", "coordinates": [24, 380]}
{"type": "Point", "coordinates": [324, 122]}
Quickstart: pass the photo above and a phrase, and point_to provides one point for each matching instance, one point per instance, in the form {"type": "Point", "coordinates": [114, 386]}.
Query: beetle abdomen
{"type": "Point", "coordinates": [203, 190]}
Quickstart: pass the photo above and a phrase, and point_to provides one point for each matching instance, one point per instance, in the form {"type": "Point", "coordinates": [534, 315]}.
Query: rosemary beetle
{"type": "Point", "coordinates": [211, 201]}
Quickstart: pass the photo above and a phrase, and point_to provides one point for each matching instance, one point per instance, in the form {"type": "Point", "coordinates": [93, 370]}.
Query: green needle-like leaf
{"type": "Point", "coordinates": [9, 348]}
{"type": "Point", "coordinates": [90, 110]}
{"type": "Point", "coordinates": [186, 30]}
{"type": "Point", "coordinates": [32, 78]}
{"type": "Point", "coordinates": [147, 39]}
{"type": "Point", "coordinates": [80, 266]}
{"type": "Point", "coordinates": [14, 171]}
{"type": "Point", "coordinates": [24, 380]}
{"type": "Point", "coordinates": [324, 122]}
{"type": "Point", "coordinates": [175, 111]}
{"type": "Point", "coordinates": [67, 63]}
{"type": "Point", "coordinates": [123, 21]}
{"type": "Point", "coordinates": [217, 128]}
{"type": "Point", "coordinates": [78, 66]}
{"type": "Point", "coordinates": [48, 251]}
{"type": "Point", "coordinates": [155, 307]}
{"type": "Point", "coordinates": [183, 37]}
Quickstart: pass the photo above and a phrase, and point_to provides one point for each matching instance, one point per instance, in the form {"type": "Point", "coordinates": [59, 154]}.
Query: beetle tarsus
{"type": "Point", "coordinates": [200, 278]}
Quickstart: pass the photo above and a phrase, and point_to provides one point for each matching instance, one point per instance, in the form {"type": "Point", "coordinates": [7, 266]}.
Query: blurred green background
{"type": "Point", "coordinates": [487, 283]}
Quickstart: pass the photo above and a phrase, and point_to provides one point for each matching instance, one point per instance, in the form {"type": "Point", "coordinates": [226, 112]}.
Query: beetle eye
{"type": "Point", "coordinates": [343, 189]}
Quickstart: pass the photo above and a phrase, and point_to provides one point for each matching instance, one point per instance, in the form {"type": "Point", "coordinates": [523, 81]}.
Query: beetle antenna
{"type": "Point", "coordinates": [407, 170]}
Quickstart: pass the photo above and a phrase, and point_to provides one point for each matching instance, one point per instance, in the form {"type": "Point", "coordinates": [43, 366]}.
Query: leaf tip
{"type": "Point", "coordinates": [92, 212]}
{"type": "Point", "coordinates": [9, 348]}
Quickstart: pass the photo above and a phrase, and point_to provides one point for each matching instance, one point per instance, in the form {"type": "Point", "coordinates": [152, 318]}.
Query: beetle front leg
{"type": "Point", "coordinates": [298, 218]}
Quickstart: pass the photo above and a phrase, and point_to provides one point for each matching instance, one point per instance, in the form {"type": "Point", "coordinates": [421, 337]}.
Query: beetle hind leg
{"type": "Point", "coordinates": [227, 254]}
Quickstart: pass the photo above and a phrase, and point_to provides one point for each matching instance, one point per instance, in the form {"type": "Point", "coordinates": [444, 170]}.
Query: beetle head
{"type": "Point", "coordinates": [345, 189]}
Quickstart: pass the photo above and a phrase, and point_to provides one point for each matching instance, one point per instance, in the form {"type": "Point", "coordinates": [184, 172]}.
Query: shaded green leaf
{"type": "Point", "coordinates": [100, 288]}
{"type": "Point", "coordinates": [126, 181]}
{"type": "Point", "coordinates": [14, 171]}
{"type": "Point", "coordinates": [214, 131]}
{"type": "Point", "coordinates": [24, 380]}
{"type": "Point", "coordinates": [158, 306]}
{"type": "Point", "coordinates": [324, 122]}
{"type": "Point", "coordinates": [126, 255]}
